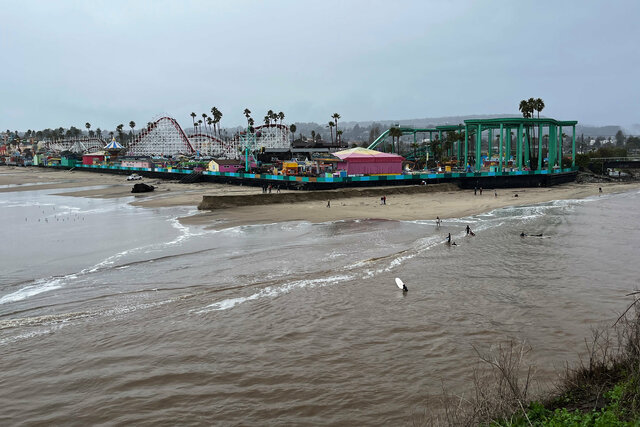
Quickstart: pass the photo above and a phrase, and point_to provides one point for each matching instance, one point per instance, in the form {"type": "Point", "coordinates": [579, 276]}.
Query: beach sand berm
{"type": "Point", "coordinates": [449, 202]}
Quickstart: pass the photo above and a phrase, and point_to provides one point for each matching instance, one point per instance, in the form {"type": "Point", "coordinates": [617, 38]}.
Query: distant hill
{"type": "Point", "coordinates": [363, 131]}
{"type": "Point", "coordinates": [428, 121]}
{"type": "Point", "coordinates": [596, 130]}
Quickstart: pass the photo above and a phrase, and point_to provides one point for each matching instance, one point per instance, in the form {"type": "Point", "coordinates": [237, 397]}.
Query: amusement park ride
{"type": "Point", "coordinates": [165, 137]}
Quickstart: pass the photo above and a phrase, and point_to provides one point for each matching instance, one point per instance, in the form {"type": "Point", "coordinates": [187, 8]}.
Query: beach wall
{"type": "Point", "coordinates": [224, 202]}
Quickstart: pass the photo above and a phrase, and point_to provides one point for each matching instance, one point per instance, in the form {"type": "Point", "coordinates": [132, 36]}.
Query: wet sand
{"type": "Point", "coordinates": [450, 204]}
{"type": "Point", "coordinates": [446, 204]}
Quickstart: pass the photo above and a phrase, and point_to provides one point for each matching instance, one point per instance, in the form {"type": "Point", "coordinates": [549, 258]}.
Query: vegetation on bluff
{"type": "Point", "coordinates": [602, 390]}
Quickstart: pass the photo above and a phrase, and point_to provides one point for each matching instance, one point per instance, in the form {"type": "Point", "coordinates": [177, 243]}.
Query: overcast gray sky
{"type": "Point", "coordinates": [65, 63]}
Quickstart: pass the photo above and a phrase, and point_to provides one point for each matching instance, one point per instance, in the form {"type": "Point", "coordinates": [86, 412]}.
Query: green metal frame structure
{"type": "Point", "coordinates": [508, 147]}
{"type": "Point", "coordinates": [524, 127]}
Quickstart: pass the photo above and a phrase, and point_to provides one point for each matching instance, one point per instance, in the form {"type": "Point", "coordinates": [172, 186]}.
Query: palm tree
{"type": "Point", "coordinates": [193, 119]}
{"type": "Point", "coordinates": [524, 108]}
{"type": "Point", "coordinates": [339, 136]}
{"type": "Point", "coordinates": [120, 133]}
{"type": "Point", "coordinates": [538, 105]}
{"type": "Point", "coordinates": [330, 126]}
{"type": "Point", "coordinates": [217, 115]}
{"type": "Point", "coordinates": [204, 120]}
{"type": "Point", "coordinates": [216, 118]}
{"type": "Point", "coordinates": [99, 133]}
{"type": "Point", "coordinates": [313, 136]}
{"type": "Point", "coordinates": [88, 126]}
{"type": "Point", "coordinates": [293, 129]}
{"type": "Point", "coordinates": [267, 120]}
{"type": "Point", "coordinates": [270, 115]}
{"type": "Point", "coordinates": [247, 114]}
{"type": "Point", "coordinates": [335, 117]}
{"type": "Point", "coordinates": [210, 122]}
{"type": "Point", "coordinates": [132, 125]}
{"type": "Point", "coordinates": [281, 116]}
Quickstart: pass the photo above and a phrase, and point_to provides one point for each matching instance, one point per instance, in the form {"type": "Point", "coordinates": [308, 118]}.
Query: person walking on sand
{"type": "Point", "coordinates": [328, 203]}
{"type": "Point", "coordinates": [475, 191]}
{"type": "Point", "coordinates": [384, 200]}
{"type": "Point", "coordinates": [278, 189]}
{"type": "Point", "coordinates": [481, 191]}
{"type": "Point", "coordinates": [495, 193]}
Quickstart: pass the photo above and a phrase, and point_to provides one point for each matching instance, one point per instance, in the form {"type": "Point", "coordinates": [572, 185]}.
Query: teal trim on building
{"type": "Point", "coordinates": [348, 179]}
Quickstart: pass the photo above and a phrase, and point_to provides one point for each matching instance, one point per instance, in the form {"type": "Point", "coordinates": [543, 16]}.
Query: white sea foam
{"type": "Point", "coordinates": [38, 287]}
{"type": "Point", "coordinates": [273, 291]}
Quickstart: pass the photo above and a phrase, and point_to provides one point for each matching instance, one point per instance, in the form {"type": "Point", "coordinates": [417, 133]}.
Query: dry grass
{"type": "Point", "coordinates": [502, 386]}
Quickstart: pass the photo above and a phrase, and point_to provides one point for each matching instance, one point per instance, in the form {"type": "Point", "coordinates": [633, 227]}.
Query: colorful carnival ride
{"type": "Point", "coordinates": [165, 137]}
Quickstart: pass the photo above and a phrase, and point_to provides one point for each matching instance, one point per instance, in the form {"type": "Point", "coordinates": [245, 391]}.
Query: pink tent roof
{"type": "Point", "coordinates": [364, 154]}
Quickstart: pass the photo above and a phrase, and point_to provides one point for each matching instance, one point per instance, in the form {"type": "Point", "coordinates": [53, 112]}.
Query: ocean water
{"type": "Point", "coordinates": [111, 313]}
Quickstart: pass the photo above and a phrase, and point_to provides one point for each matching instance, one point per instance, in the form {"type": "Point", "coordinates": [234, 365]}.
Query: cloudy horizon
{"type": "Point", "coordinates": [108, 62]}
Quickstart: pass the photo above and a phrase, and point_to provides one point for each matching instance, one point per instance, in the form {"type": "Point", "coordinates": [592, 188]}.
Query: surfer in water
{"type": "Point", "coordinates": [449, 242]}
{"type": "Point", "coordinates": [468, 229]}
{"type": "Point", "coordinates": [523, 234]}
{"type": "Point", "coordinates": [404, 288]}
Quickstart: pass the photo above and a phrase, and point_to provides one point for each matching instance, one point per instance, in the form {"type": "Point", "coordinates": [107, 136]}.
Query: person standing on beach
{"type": "Point", "coordinates": [468, 229]}
{"type": "Point", "coordinates": [475, 191]}
{"type": "Point", "coordinates": [437, 221]}
{"type": "Point", "coordinates": [328, 203]}
{"type": "Point", "coordinates": [449, 239]}
{"type": "Point", "coordinates": [278, 189]}
{"type": "Point", "coordinates": [384, 200]}
{"type": "Point", "coordinates": [495, 193]}
{"type": "Point", "coordinates": [481, 191]}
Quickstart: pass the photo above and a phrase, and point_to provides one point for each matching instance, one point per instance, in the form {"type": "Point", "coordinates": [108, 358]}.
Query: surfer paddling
{"type": "Point", "coordinates": [523, 234]}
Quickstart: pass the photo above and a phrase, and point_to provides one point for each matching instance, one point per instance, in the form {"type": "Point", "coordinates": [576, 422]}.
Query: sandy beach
{"type": "Point", "coordinates": [446, 204]}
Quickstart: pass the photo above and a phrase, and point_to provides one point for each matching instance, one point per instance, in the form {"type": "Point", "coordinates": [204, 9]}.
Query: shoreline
{"type": "Point", "coordinates": [411, 205]}
{"type": "Point", "coordinates": [399, 207]}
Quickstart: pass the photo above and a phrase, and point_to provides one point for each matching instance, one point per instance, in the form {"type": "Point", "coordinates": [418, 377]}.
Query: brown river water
{"type": "Point", "coordinates": [113, 314]}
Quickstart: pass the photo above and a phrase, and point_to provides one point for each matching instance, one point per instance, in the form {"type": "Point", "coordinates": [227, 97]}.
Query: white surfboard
{"type": "Point", "coordinates": [399, 283]}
